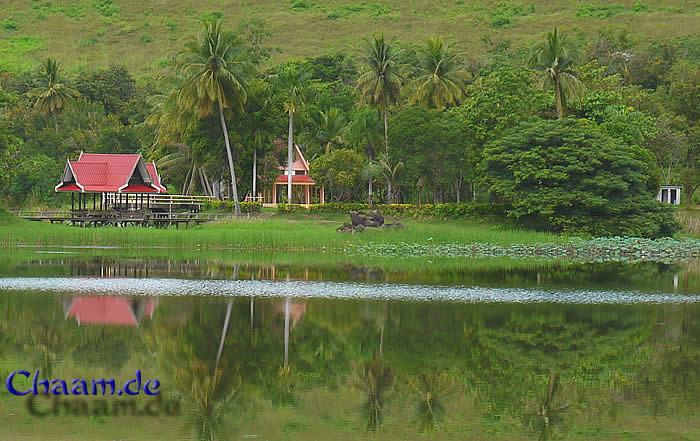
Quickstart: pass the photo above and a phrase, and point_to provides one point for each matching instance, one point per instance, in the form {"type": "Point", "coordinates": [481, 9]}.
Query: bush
{"type": "Point", "coordinates": [452, 211]}
{"type": "Point", "coordinates": [568, 175]}
{"type": "Point", "coordinates": [246, 207]}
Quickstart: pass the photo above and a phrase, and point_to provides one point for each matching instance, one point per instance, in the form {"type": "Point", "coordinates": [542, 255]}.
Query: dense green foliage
{"type": "Point", "coordinates": [377, 127]}
{"type": "Point", "coordinates": [567, 175]}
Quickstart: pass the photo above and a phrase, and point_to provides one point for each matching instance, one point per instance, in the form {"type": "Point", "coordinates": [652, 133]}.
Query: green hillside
{"type": "Point", "coordinates": [143, 35]}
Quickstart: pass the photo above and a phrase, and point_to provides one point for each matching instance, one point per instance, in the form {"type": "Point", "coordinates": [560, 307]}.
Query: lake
{"type": "Point", "coordinates": [245, 349]}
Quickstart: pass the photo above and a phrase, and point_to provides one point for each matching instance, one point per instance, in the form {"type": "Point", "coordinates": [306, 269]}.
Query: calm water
{"type": "Point", "coordinates": [586, 352]}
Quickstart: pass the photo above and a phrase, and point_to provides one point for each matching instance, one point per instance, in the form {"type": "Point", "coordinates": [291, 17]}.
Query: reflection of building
{"type": "Point", "coordinates": [109, 310]}
{"type": "Point", "coordinates": [296, 310]}
{"type": "Point", "coordinates": [670, 194]}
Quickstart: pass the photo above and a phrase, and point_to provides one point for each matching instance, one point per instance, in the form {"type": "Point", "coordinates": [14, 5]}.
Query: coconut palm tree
{"type": "Point", "coordinates": [375, 379]}
{"type": "Point", "coordinates": [390, 171]}
{"type": "Point", "coordinates": [442, 78]}
{"type": "Point", "coordinates": [554, 59]}
{"type": "Point", "coordinates": [292, 81]}
{"type": "Point", "coordinates": [52, 97]}
{"type": "Point", "coordinates": [380, 84]}
{"type": "Point", "coordinates": [332, 128]}
{"type": "Point", "coordinates": [433, 391]}
{"type": "Point", "coordinates": [365, 132]}
{"type": "Point", "coordinates": [217, 71]}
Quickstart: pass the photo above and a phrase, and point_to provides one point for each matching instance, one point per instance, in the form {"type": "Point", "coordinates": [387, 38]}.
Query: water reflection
{"type": "Point", "coordinates": [109, 310]}
{"type": "Point", "coordinates": [329, 369]}
{"type": "Point", "coordinates": [682, 277]}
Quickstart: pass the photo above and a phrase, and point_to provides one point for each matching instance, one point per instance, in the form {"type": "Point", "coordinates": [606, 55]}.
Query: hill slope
{"type": "Point", "coordinates": [144, 34]}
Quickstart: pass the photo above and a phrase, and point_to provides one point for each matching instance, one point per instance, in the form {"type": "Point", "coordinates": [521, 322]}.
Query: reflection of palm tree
{"type": "Point", "coordinates": [432, 390]}
{"type": "Point", "coordinates": [375, 381]}
{"type": "Point", "coordinates": [210, 403]}
{"type": "Point", "coordinates": [548, 413]}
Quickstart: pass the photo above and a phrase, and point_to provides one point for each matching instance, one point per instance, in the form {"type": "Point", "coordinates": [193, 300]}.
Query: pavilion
{"type": "Point", "coordinates": [109, 310]}
{"type": "Point", "coordinates": [304, 187]}
{"type": "Point", "coordinates": [121, 180]}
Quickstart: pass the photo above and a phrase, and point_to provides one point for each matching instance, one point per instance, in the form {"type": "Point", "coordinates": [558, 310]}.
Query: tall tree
{"type": "Point", "coordinates": [53, 96]}
{"type": "Point", "coordinates": [554, 59]}
{"type": "Point", "coordinates": [217, 70]}
{"type": "Point", "coordinates": [332, 128]}
{"type": "Point", "coordinates": [380, 83]}
{"type": "Point", "coordinates": [442, 78]}
{"type": "Point", "coordinates": [292, 80]}
{"type": "Point", "coordinates": [365, 132]}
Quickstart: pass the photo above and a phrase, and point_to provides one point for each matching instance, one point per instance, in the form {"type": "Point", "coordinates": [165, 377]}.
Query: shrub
{"type": "Point", "coordinates": [106, 8]}
{"type": "Point", "coordinates": [246, 207]}
{"type": "Point", "coordinates": [568, 175]}
{"type": "Point", "coordinates": [9, 24]}
{"type": "Point", "coordinates": [451, 210]}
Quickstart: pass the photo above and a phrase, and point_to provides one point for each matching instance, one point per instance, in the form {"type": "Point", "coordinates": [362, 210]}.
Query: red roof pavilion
{"type": "Point", "coordinates": [121, 311]}
{"type": "Point", "coordinates": [110, 173]}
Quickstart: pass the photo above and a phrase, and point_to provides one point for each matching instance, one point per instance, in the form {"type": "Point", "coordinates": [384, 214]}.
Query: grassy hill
{"type": "Point", "coordinates": [144, 34]}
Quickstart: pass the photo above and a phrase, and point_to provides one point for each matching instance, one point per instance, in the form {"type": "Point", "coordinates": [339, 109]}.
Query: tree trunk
{"type": "Point", "coordinates": [255, 174]}
{"type": "Point", "coordinates": [185, 184]}
{"type": "Point", "coordinates": [234, 188]}
{"type": "Point", "coordinates": [207, 183]}
{"type": "Point", "coordinates": [386, 133]}
{"type": "Point", "coordinates": [389, 193]}
{"type": "Point", "coordinates": [558, 99]}
{"type": "Point", "coordinates": [286, 333]}
{"type": "Point", "coordinates": [290, 156]}
{"type": "Point", "coordinates": [223, 332]}
{"type": "Point", "coordinates": [369, 188]}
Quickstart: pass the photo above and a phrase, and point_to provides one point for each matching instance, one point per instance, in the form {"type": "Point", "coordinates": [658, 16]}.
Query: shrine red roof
{"type": "Point", "coordinates": [113, 173]}
{"type": "Point", "coordinates": [108, 310]}
{"type": "Point", "coordinates": [296, 179]}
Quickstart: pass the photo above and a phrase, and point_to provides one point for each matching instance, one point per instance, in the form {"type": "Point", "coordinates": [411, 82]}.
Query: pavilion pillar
{"type": "Point", "coordinates": [274, 193]}
{"type": "Point", "coordinates": [308, 194]}
{"type": "Point", "coordinates": [72, 202]}
{"type": "Point", "coordinates": [94, 201]}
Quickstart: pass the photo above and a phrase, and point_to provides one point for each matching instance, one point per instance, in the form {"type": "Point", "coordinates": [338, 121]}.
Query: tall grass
{"type": "Point", "coordinates": [300, 234]}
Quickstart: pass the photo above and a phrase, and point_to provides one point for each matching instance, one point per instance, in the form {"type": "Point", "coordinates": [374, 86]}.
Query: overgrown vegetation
{"type": "Point", "coordinates": [392, 122]}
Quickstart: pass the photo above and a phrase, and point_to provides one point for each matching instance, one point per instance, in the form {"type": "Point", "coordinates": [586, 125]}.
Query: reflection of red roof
{"type": "Point", "coordinates": [122, 311]}
{"type": "Point", "coordinates": [97, 173]}
{"type": "Point", "coordinates": [296, 179]}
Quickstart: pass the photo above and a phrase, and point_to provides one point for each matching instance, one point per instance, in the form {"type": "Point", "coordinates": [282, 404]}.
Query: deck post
{"type": "Point", "coordinates": [94, 201]}
{"type": "Point", "coordinates": [72, 202]}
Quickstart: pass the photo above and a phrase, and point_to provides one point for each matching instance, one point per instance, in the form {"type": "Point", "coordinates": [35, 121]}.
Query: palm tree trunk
{"type": "Point", "coordinates": [369, 187]}
{"type": "Point", "coordinates": [234, 188]}
{"type": "Point", "coordinates": [223, 332]}
{"type": "Point", "coordinates": [290, 156]}
{"type": "Point", "coordinates": [255, 174]}
{"type": "Point", "coordinates": [286, 333]}
{"type": "Point", "coordinates": [185, 184]}
{"type": "Point", "coordinates": [386, 132]}
{"type": "Point", "coordinates": [558, 99]}
{"type": "Point", "coordinates": [207, 183]}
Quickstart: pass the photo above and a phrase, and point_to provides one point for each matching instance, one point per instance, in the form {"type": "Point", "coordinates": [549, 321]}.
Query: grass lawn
{"type": "Point", "coordinates": [84, 34]}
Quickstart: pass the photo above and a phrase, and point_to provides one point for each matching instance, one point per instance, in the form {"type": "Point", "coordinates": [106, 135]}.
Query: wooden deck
{"type": "Point", "coordinates": [145, 218]}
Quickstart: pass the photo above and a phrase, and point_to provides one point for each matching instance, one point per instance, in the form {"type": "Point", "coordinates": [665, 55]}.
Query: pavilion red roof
{"type": "Point", "coordinates": [121, 311]}
{"type": "Point", "coordinates": [296, 179]}
{"type": "Point", "coordinates": [111, 173]}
